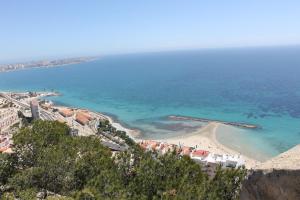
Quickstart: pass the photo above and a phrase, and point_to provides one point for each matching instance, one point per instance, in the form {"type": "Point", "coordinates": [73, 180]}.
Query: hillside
{"type": "Point", "coordinates": [275, 179]}
{"type": "Point", "coordinates": [47, 158]}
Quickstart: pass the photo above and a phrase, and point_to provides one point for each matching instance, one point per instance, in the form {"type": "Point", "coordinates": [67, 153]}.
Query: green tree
{"type": "Point", "coordinates": [226, 184]}
{"type": "Point", "coordinates": [7, 167]}
{"type": "Point", "coordinates": [47, 158]}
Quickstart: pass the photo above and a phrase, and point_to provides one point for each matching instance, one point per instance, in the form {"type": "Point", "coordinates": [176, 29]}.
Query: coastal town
{"type": "Point", "coordinates": [43, 63]}
{"type": "Point", "coordinates": [150, 100]}
{"type": "Point", "coordinates": [25, 109]}
{"type": "Point", "coordinates": [16, 108]}
{"type": "Point", "coordinates": [210, 161]}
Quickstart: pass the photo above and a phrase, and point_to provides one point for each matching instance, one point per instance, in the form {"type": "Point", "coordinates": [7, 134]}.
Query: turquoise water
{"type": "Point", "coordinates": [255, 85]}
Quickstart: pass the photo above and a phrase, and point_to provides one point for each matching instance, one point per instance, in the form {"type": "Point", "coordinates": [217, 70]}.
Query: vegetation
{"type": "Point", "coordinates": [46, 158]}
{"type": "Point", "coordinates": [105, 126]}
{"type": "Point", "coordinates": [25, 121]}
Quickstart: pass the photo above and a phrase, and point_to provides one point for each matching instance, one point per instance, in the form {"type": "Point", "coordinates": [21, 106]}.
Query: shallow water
{"type": "Point", "coordinates": [255, 85]}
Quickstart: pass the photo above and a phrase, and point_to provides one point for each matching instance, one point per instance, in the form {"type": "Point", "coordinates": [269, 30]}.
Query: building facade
{"type": "Point", "coordinates": [34, 106]}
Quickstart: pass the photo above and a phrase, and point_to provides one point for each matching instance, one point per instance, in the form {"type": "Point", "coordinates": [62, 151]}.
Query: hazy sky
{"type": "Point", "coordinates": [57, 28]}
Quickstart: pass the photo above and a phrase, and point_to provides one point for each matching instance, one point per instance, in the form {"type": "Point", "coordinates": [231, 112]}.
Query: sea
{"type": "Point", "coordinates": [258, 86]}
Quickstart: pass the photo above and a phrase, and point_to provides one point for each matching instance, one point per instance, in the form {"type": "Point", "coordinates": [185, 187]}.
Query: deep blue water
{"type": "Point", "coordinates": [254, 85]}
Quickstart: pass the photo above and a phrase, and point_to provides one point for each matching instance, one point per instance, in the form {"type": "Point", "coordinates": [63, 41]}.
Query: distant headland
{"type": "Point", "coordinates": [44, 63]}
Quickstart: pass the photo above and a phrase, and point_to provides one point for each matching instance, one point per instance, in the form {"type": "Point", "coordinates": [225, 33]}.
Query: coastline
{"type": "Point", "coordinates": [205, 138]}
{"type": "Point", "coordinates": [132, 133]}
{"type": "Point", "coordinates": [48, 66]}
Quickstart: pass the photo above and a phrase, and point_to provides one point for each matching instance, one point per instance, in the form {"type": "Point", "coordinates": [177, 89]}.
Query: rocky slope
{"type": "Point", "coordinates": [274, 185]}
{"type": "Point", "coordinates": [275, 179]}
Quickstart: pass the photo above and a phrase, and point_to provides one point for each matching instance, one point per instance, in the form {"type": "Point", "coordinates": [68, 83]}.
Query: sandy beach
{"type": "Point", "coordinates": [205, 138]}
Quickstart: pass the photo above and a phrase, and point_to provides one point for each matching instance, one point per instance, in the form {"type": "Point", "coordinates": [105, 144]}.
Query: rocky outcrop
{"type": "Point", "coordinates": [272, 185]}
{"type": "Point", "coordinates": [275, 179]}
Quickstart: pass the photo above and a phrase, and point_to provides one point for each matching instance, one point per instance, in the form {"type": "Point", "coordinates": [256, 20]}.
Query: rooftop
{"type": "Point", "coordinates": [66, 112]}
{"type": "Point", "coordinates": [82, 119]}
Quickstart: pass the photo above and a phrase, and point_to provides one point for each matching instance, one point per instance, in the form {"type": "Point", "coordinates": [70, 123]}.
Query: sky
{"type": "Point", "coordinates": [35, 29]}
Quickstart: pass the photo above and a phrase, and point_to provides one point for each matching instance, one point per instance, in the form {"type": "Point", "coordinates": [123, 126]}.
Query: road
{"type": "Point", "coordinates": [45, 115]}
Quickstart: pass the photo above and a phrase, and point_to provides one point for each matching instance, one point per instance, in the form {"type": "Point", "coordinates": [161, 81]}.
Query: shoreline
{"type": "Point", "coordinates": [205, 138]}
{"type": "Point", "coordinates": [132, 133]}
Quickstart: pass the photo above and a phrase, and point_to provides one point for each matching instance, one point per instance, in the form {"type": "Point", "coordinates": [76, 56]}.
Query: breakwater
{"type": "Point", "coordinates": [237, 124]}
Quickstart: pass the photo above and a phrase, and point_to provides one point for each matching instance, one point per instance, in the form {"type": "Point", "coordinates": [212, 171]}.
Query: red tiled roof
{"type": "Point", "coordinates": [86, 114]}
{"type": "Point", "coordinates": [82, 119]}
{"type": "Point", "coordinates": [66, 112]}
{"type": "Point", "coordinates": [200, 153]}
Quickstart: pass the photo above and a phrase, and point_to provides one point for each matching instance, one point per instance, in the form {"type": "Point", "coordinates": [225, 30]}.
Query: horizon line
{"type": "Point", "coordinates": [48, 58]}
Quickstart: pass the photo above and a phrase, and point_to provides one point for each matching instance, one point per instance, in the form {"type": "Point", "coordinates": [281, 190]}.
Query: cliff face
{"type": "Point", "coordinates": [272, 185]}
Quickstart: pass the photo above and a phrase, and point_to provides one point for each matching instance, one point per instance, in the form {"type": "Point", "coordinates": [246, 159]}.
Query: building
{"type": "Point", "coordinates": [233, 161]}
{"type": "Point", "coordinates": [66, 112]}
{"type": "Point", "coordinates": [8, 117]}
{"type": "Point", "coordinates": [209, 161]}
{"type": "Point", "coordinates": [34, 106]}
{"type": "Point", "coordinates": [82, 118]}
{"type": "Point", "coordinates": [199, 154]}
{"type": "Point", "coordinates": [230, 161]}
